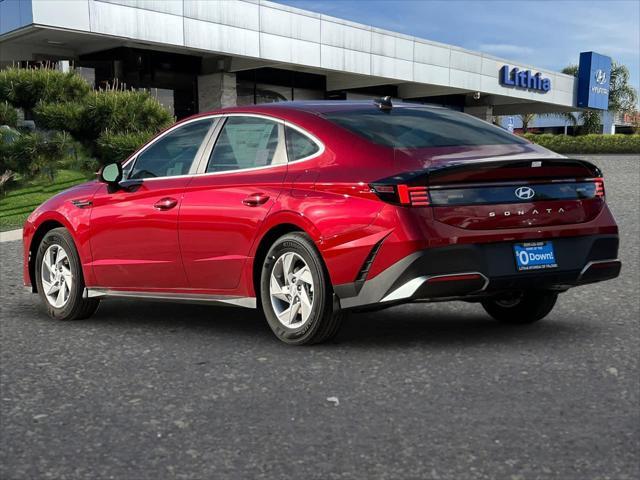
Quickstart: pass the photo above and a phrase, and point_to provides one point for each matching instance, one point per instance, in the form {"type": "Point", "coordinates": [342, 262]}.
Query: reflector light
{"type": "Point", "coordinates": [419, 196]}
{"type": "Point", "coordinates": [599, 182]}
{"type": "Point", "coordinates": [403, 194]}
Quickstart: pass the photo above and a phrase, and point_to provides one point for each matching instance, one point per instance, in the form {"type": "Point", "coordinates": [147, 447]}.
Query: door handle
{"type": "Point", "coordinates": [256, 199]}
{"type": "Point", "coordinates": [166, 203]}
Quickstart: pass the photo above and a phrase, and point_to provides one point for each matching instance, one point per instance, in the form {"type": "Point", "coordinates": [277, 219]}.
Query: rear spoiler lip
{"type": "Point", "coordinates": [431, 174]}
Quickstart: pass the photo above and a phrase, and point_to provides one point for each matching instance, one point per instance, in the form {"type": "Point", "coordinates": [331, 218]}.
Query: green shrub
{"type": "Point", "coordinates": [116, 147]}
{"type": "Point", "coordinates": [109, 124]}
{"type": "Point", "coordinates": [25, 87]}
{"type": "Point", "coordinates": [592, 143]}
{"type": "Point", "coordinates": [104, 110]}
{"type": "Point", "coordinates": [36, 153]}
{"type": "Point", "coordinates": [8, 115]}
{"type": "Point", "coordinates": [122, 111]}
{"type": "Point", "coordinates": [59, 116]}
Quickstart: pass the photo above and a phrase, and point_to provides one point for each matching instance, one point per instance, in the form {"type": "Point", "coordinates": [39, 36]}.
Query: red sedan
{"type": "Point", "coordinates": [308, 210]}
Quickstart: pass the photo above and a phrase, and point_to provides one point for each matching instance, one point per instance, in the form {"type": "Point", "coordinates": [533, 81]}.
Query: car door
{"type": "Point", "coordinates": [223, 207]}
{"type": "Point", "coordinates": [134, 229]}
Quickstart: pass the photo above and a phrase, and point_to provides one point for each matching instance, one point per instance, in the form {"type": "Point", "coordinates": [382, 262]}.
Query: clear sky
{"type": "Point", "coordinates": [542, 33]}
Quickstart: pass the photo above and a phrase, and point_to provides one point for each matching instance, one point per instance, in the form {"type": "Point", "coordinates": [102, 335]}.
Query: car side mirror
{"type": "Point", "coordinates": [111, 174]}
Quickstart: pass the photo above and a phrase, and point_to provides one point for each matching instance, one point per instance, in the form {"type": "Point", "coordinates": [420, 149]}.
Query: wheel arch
{"type": "Point", "coordinates": [269, 237]}
{"type": "Point", "coordinates": [38, 235]}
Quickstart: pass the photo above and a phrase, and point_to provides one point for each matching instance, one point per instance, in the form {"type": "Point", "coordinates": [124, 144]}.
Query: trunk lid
{"type": "Point", "coordinates": [469, 190]}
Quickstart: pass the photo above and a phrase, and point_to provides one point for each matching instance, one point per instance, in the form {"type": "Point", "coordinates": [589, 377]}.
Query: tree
{"type": "Point", "coordinates": [526, 119]}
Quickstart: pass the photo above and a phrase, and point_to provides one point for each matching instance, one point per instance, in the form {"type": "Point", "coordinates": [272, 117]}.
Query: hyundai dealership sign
{"type": "Point", "coordinates": [593, 81]}
{"type": "Point", "coordinates": [526, 79]}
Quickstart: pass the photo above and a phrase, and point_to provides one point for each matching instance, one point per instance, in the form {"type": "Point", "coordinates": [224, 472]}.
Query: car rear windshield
{"type": "Point", "coordinates": [408, 127]}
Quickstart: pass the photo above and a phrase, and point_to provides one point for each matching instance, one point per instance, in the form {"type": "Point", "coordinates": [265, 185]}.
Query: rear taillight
{"type": "Point", "coordinates": [599, 182]}
{"type": "Point", "coordinates": [402, 194]}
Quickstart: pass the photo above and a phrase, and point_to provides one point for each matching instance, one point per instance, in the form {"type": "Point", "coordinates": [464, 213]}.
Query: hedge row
{"type": "Point", "coordinates": [587, 143]}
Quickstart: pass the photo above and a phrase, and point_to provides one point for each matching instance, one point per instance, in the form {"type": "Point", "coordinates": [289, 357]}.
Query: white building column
{"type": "Point", "coordinates": [608, 123]}
{"type": "Point", "coordinates": [216, 90]}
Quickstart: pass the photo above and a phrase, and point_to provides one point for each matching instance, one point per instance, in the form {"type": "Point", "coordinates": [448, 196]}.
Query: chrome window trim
{"type": "Point", "coordinates": [196, 160]}
{"type": "Point", "coordinates": [212, 137]}
{"type": "Point", "coordinates": [280, 155]}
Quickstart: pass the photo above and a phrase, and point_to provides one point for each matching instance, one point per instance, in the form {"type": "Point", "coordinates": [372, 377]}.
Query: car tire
{"type": "Point", "coordinates": [67, 302]}
{"type": "Point", "coordinates": [522, 307]}
{"type": "Point", "coordinates": [301, 279]}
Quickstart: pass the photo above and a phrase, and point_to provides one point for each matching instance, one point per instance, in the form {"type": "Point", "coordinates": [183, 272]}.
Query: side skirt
{"type": "Point", "coordinates": [247, 302]}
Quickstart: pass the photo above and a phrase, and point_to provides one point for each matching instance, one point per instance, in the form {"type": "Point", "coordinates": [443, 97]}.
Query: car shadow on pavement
{"type": "Point", "coordinates": [439, 327]}
{"type": "Point", "coordinates": [430, 325]}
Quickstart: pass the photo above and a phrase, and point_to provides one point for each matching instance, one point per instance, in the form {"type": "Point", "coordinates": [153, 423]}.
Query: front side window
{"type": "Point", "coordinates": [414, 127]}
{"type": "Point", "coordinates": [244, 142]}
{"type": "Point", "coordinates": [299, 146]}
{"type": "Point", "coordinates": [172, 154]}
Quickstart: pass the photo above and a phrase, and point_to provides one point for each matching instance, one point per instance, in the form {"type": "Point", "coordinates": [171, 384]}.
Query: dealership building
{"type": "Point", "coordinates": [198, 55]}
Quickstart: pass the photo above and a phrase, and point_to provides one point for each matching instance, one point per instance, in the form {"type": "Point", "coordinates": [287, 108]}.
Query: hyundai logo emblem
{"type": "Point", "coordinates": [525, 193]}
{"type": "Point", "coordinates": [601, 77]}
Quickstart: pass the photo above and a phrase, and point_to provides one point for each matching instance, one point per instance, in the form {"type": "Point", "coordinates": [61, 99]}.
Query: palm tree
{"type": "Point", "coordinates": [526, 119]}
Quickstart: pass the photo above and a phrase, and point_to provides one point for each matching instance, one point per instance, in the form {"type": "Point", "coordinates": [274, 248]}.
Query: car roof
{"type": "Point", "coordinates": [318, 106]}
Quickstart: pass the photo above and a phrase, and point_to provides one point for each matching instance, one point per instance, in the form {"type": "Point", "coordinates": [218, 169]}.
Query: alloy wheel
{"type": "Point", "coordinates": [56, 276]}
{"type": "Point", "coordinates": [291, 290]}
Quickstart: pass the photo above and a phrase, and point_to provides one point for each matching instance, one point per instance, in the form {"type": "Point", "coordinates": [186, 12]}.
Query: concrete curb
{"type": "Point", "coordinates": [11, 236]}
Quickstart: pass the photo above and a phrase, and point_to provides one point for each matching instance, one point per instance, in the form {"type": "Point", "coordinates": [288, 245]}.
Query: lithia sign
{"type": "Point", "coordinates": [525, 79]}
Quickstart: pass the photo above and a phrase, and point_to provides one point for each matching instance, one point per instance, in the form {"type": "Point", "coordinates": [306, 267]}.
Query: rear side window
{"type": "Point", "coordinates": [407, 127]}
{"type": "Point", "coordinates": [299, 146]}
{"type": "Point", "coordinates": [244, 142]}
{"type": "Point", "coordinates": [172, 154]}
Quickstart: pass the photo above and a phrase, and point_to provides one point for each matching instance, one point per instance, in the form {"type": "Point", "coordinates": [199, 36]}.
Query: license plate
{"type": "Point", "coordinates": [534, 256]}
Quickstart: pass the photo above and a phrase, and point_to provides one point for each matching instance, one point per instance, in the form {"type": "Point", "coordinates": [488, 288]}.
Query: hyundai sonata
{"type": "Point", "coordinates": [308, 210]}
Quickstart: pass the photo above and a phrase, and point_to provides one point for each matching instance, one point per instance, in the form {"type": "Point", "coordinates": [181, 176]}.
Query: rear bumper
{"type": "Point", "coordinates": [481, 270]}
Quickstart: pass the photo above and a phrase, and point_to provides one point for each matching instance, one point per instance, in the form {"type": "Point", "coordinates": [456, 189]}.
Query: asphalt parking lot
{"type": "Point", "coordinates": [151, 390]}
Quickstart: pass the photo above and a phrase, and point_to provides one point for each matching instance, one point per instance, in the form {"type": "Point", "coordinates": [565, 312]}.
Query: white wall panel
{"type": "Point", "coordinates": [432, 74]}
{"type": "Point", "coordinates": [221, 38]}
{"type": "Point", "coordinates": [390, 46]}
{"type": "Point", "coordinates": [236, 13]}
{"type": "Point", "coordinates": [490, 84]}
{"type": "Point", "coordinates": [563, 83]}
{"type": "Point", "coordinates": [465, 61]}
{"type": "Point", "coordinates": [391, 67]}
{"type": "Point", "coordinates": [465, 80]}
{"type": "Point", "coordinates": [175, 7]}
{"type": "Point", "coordinates": [491, 67]}
{"type": "Point", "coordinates": [136, 23]}
{"type": "Point", "coordinates": [164, 6]}
{"type": "Point", "coordinates": [431, 54]}
{"type": "Point", "coordinates": [357, 62]}
{"type": "Point", "coordinates": [73, 14]}
{"type": "Point", "coordinates": [331, 57]}
{"type": "Point", "coordinates": [340, 35]}
{"type": "Point", "coordinates": [288, 24]}
{"type": "Point", "coordinates": [282, 49]}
